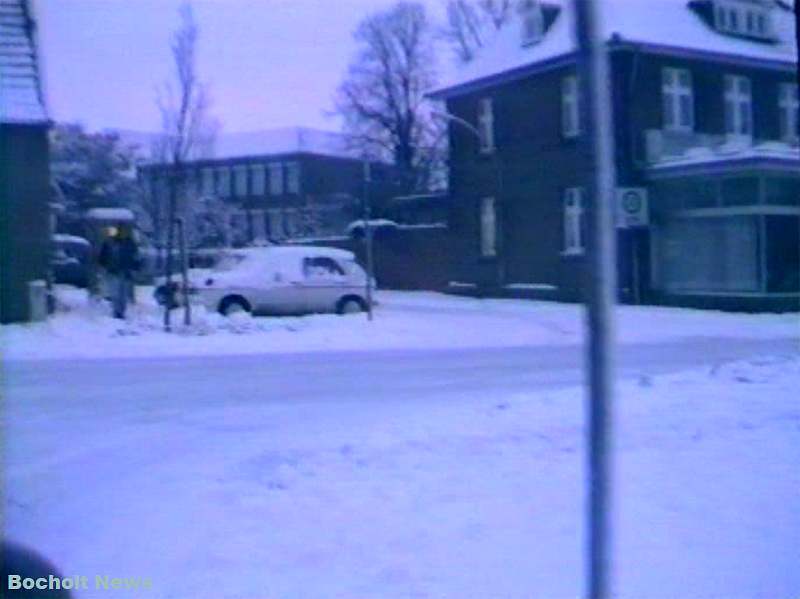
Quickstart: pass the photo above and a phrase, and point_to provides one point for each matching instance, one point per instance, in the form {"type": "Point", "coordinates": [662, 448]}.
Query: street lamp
{"type": "Point", "coordinates": [496, 166]}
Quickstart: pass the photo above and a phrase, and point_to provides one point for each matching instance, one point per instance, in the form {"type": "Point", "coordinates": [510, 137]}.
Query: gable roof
{"type": "Point", "coordinates": [666, 26]}
{"type": "Point", "coordinates": [21, 97]}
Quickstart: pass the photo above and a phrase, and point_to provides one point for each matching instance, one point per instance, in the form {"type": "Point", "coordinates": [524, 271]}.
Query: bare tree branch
{"type": "Point", "coordinates": [382, 99]}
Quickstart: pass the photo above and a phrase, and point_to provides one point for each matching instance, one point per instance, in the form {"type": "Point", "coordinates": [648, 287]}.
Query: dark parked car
{"type": "Point", "coordinates": [71, 260]}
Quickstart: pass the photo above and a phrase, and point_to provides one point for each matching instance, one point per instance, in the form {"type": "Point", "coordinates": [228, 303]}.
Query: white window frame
{"type": "Point", "coordinates": [742, 19]}
{"type": "Point", "coordinates": [574, 228]}
{"type": "Point", "coordinates": [293, 177]}
{"type": "Point", "coordinates": [532, 22]}
{"type": "Point", "coordinates": [258, 178]}
{"type": "Point", "coordinates": [677, 85]}
{"type": "Point", "coordinates": [275, 179]}
{"type": "Point", "coordinates": [240, 180]}
{"type": "Point", "coordinates": [486, 125]}
{"type": "Point", "coordinates": [488, 227]}
{"type": "Point", "coordinates": [789, 109]}
{"type": "Point", "coordinates": [738, 95]}
{"type": "Point", "coordinates": [223, 181]}
{"type": "Point", "coordinates": [570, 106]}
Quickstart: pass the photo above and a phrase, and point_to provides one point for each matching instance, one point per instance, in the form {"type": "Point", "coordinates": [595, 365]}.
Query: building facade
{"type": "Point", "coordinates": [274, 186]}
{"type": "Point", "coordinates": [24, 166]}
{"type": "Point", "coordinates": [705, 109]}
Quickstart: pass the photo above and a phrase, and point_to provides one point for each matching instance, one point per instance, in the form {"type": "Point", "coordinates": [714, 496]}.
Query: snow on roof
{"type": "Point", "coordinates": [732, 151]}
{"type": "Point", "coordinates": [111, 214]}
{"type": "Point", "coordinates": [21, 99]}
{"type": "Point", "coordinates": [293, 252]}
{"type": "Point", "coordinates": [666, 24]}
{"type": "Point", "coordinates": [64, 238]}
{"type": "Point", "coordinates": [288, 140]}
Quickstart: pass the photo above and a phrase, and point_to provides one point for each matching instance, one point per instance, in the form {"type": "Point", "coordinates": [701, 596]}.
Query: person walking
{"type": "Point", "coordinates": [119, 257]}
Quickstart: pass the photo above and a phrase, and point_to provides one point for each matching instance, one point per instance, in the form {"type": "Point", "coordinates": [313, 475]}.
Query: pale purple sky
{"type": "Point", "coordinates": [269, 63]}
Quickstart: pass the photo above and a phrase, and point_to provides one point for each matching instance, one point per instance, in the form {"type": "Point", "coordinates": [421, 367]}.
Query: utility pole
{"type": "Point", "coordinates": [596, 111]}
{"type": "Point", "coordinates": [368, 236]}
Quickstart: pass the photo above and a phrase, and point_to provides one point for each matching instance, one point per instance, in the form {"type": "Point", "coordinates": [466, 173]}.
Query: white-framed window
{"type": "Point", "coordinates": [678, 99]}
{"type": "Point", "coordinates": [258, 178]}
{"type": "Point", "coordinates": [738, 105]}
{"type": "Point", "coordinates": [223, 181]}
{"type": "Point", "coordinates": [292, 177]}
{"type": "Point", "coordinates": [574, 242]}
{"type": "Point", "coordinates": [208, 182]}
{"type": "Point", "coordinates": [570, 113]}
{"type": "Point", "coordinates": [240, 180]}
{"type": "Point", "coordinates": [275, 223]}
{"type": "Point", "coordinates": [275, 178]}
{"type": "Point", "coordinates": [743, 18]}
{"type": "Point", "coordinates": [486, 124]}
{"type": "Point", "coordinates": [488, 227]}
{"type": "Point", "coordinates": [789, 111]}
{"type": "Point", "coordinates": [532, 19]}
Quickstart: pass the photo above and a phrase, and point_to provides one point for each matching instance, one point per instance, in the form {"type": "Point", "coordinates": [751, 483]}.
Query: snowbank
{"type": "Point", "coordinates": [404, 320]}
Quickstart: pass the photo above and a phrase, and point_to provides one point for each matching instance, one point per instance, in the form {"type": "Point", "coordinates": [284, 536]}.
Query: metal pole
{"type": "Point", "coordinates": [368, 237]}
{"type": "Point", "coordinates": [599, 147]}
{"type": "Point", "coordinates": [170, 243]}
{"type": "Point", "coordinates": [187, 308]}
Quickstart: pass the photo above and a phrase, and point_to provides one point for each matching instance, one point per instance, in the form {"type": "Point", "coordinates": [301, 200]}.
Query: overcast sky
{"type": "Point", "coordinates": [269, 63]}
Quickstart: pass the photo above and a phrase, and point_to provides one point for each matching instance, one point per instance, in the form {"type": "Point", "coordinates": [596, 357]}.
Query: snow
{"type": "Point", "coordinates": [306, 477]}
{"type": "Point", "coordinates": [375, 223]}
{"type": "Point", "coordinates": [111, 214]}
{"type": "Point", "coordinates": [288, 140]}
{"type": "Point", "coordinates": [64, 238]}
{"type": "Point", "coordinates": [737, 150]}
{"type": "Point", "coordinates": [20, 86]}
{"type": "Point", "coordinates": [404, 320]}
{"type": "Point", "coordinates": [531, 286]}
{"type": "Point", "coordinates": [651, 22]}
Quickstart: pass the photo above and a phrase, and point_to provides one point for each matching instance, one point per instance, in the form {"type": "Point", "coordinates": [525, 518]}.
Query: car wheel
{"type": "Point", "coordinates": [351, 305]}
{"type": "Point", "coordinates": [233, 305]}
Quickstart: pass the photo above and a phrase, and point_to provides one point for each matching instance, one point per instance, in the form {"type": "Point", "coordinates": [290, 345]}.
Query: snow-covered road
{"type": "Point", "coordinates": [406, 473]}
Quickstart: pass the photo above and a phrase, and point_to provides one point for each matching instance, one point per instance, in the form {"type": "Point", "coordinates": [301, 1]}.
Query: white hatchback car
{"type": "Point", "coordinates": [282, 280]}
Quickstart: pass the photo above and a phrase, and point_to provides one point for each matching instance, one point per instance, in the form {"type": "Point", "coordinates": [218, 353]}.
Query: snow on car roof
{"type": "Point", "coordinates": [64, 238]}
{"type": "Point", "coordinates": [111, 214]}
{"type": "Point", "coordinates": [292, 252]}
{"type": "Point", "coordinates": [663, 24]}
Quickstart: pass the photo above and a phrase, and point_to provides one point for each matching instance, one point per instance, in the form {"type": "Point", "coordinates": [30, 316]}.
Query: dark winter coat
{"type": "Point", "coordinates": [119, 256]}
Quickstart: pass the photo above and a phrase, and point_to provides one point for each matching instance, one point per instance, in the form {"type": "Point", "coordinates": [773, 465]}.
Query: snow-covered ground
{"type": "Point", "coordinates": [232, 478]}
{"type": "Point", "coordinates": [404, 320]}
{"type": "Point", "coordinates": [436, 452]}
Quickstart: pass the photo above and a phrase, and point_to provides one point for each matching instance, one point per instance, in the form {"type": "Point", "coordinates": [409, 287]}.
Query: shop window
{"type": "Point", "coordinates": [715, 254]}
{"type": "Point", "coordinates": [740, 191]}
{"type": "Point", "coordinates": [783, 254]}
{"type": "Point", "coordinates": [782, 191]}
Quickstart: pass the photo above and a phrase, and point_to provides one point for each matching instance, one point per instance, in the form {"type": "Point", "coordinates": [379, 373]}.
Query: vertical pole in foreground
{"type": "Point", "coordinates": [601, 261]}
{"type": "Point", "coordinates": [368, 236]}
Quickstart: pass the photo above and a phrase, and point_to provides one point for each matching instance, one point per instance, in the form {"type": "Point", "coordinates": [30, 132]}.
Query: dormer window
{"type": "Point", "coordinates": [748, 18]}
{"type": "Point", "coordinates": [532, 22]}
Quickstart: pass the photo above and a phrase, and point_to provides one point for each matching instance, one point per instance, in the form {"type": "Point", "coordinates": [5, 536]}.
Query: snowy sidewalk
{"type": "Point", "coordinates": [404, 321]}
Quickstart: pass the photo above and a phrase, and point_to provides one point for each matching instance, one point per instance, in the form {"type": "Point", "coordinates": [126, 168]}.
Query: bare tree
{"type": "Point", "coordinates": [470, 24]}
{"type": "Point", "coordinates": [187, 131]}
{"type": "Point", "coordinates": [382, 98]}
